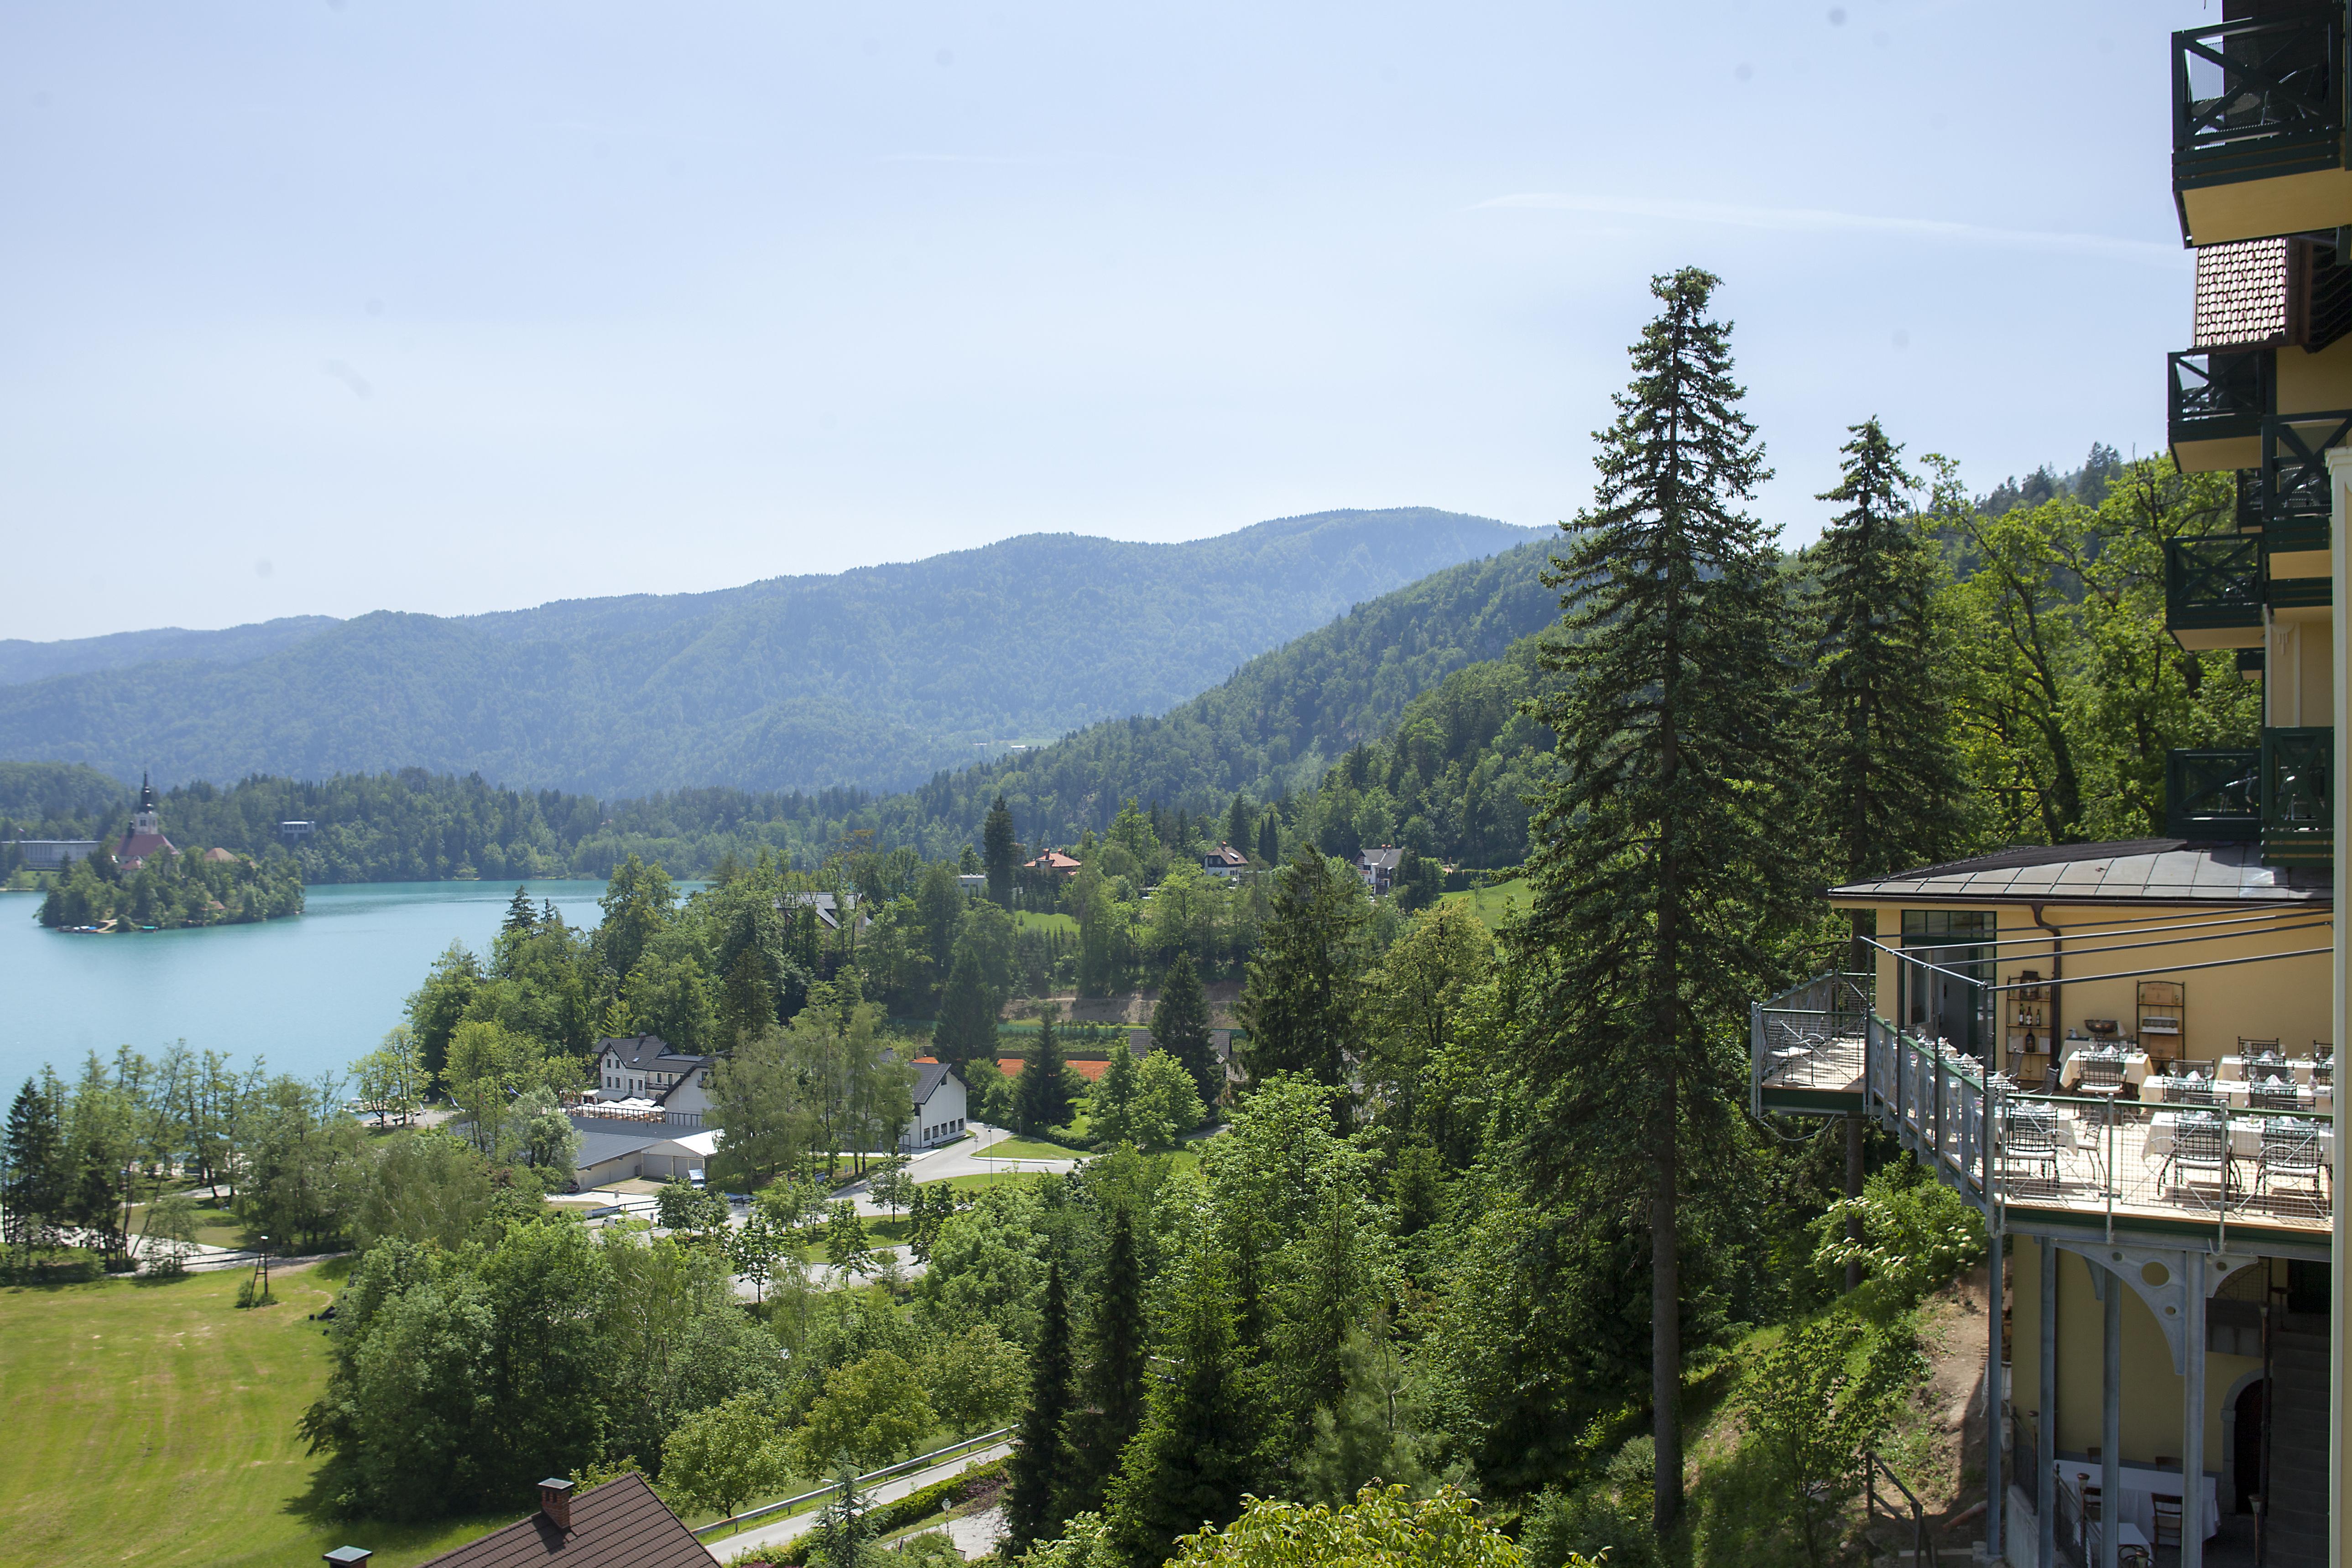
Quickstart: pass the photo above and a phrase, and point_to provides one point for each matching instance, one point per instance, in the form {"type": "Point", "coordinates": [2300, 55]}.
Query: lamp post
{"type": "Point", "coordinates": [264, 1296]}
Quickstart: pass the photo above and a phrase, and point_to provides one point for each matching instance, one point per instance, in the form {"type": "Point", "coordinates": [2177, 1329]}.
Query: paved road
{"type": "Point", "coordinates": [800, 1524]}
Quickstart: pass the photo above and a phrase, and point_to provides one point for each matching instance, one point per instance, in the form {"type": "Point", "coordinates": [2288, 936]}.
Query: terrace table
{"type": "Point", "coordinates": [2308, 1099]}
{"type": "Point", "coordinates": [2070, 1072]}
{"type": "Point", "coordinates": [2237, 1067]}
{"type": "Point", "coordinates": [2140, 1484]}
{"type": "Point", "coordinates": [2245, 1138]}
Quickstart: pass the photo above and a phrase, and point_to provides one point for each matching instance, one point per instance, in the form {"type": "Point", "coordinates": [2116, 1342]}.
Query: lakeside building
{"type": "Point", "coordinates": [2123, 1055]}
{"type": "Point", "coordinates": [51, 854]}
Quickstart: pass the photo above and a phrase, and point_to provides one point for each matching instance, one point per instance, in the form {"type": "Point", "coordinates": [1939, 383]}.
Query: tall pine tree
{"type": "Point", "coordinates": [1180, 1025]}
{"type": "Point", "coordinates": [1040, 1099]}
{"type": "Point", "coordinates": [33, 1174]}
{"type": "Point", "coordinates": [521, 916]}
{"type": "Point", "coordinates": [1000, 851]}
{"type": "Point", "coordinates": [1238, 823]}
{"type": "Point", "coordinates": [1269, 840]}
{"type": "Point", "coordinates": [1662, 867]}
{"type": "Point", "coordinates": [1888, 790]}
{"type": "Point", "coordinates": [1196, 1452]}
{"type": "Point", "coordinates": [1114, 1388]}
{"type": "Point", "coordinates": [1301, 1001]}
{"type": "Point", "coordinates": [1040, 1468]}
{"type": "Point", "coordinates": [967, 1026]}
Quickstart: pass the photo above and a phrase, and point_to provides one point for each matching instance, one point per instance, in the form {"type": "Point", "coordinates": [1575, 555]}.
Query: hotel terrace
{"type": "Point", "coordinates": [2123, 1055]}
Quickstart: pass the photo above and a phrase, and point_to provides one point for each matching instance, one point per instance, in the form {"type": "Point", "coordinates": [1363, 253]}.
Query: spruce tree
{"type": "Point", "coordinates": [1195, 1455]}
{"type": "Point", "coordinates": [32, 1171]}
{"type": "Point", "coordinates": [1237, 823]}
{"type": "Point", "coordinates": [1002, 853]}
{"type": "Point", "coordinates": [1888, 791]}
{"type": "Point", "coordinates": [1180, 1025]}
{"type": "Point", "coordinates": [1114, 1100]}
{"type": "Point", "coordinates": [1114, 1388]}
{"type": "Point", "coordinates": [1040, 1467]}
{"type": "Point", "coordinates": [1301, 1002]}
{"type": "Point", "coordinates": [521, 916]}
{"type": "Point", "coordinates": [1269, 840]}
{"type": "Point", "coordinates": [1662, 867]}
{"type": "Point", "coordinates": [967, 1026]}
{"type": "Point", "coordinates": [1040, 1099]}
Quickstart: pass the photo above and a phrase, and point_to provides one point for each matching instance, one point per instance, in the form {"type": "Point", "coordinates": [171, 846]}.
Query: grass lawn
{"type": "Point", "coordinates": [1028, 1149]}
{"type": "Point", "coordinates": [1067, 924]}
{"type": "Point", "coordinates": [990, 1179]}
{"type": "Point", "coordinates": [1487, 903]}
{"type": "Point", "coordinates": [154, 1423]}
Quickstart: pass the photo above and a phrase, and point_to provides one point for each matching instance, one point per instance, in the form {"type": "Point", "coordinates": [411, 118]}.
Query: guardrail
{"type": "Point", "coordinates": [803, 1502]}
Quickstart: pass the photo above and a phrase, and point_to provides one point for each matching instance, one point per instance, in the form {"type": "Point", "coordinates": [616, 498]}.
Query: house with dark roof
{"type": "Point", "coordinates": [941, 1108]}
{"type": "Point", "coordinates": [1225, 861]}
{"type": "Point", "coordinates": [644, 1067]}
{"type": "Point", "coordinates": [1378, 867]}
{"type": "Point", "coordinates": [829, 909]}
{"type": "Point", "coordinates": [620, 1525]}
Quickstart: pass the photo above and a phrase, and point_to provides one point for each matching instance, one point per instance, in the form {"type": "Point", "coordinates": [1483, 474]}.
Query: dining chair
{"type": "Point", "coordinates": [2273, 1094]}
{"type": "Point", "coordinates": [2201, 1145]}
{"type": "Point", "coordinates": [2029, 1149]}
{"type": "Point", "coordinates": [2290, 1149]}
{"type": "Point", "coordinates": [2168, 1520]}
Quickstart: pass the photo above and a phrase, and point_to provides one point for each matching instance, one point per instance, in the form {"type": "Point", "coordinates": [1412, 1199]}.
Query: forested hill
{"type": "Point", "coordinates": [1425, 657]}
{"type": "Point", "coordinates": [879, 676]}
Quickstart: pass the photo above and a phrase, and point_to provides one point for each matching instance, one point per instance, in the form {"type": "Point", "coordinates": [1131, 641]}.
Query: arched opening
{"type": "Point", "coordinates": [2246, 1446]}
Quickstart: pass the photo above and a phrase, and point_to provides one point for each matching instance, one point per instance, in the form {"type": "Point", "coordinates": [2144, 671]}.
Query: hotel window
{"type": "Point", "coordinates": [1947, 1005]}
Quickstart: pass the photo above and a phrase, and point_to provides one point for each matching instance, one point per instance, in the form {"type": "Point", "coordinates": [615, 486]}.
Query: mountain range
{"type": "Point", "coordinates": [880, 677]}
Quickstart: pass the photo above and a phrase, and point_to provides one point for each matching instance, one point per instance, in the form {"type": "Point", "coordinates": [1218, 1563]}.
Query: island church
{"type": "Point", "coordinates": [145, 837]}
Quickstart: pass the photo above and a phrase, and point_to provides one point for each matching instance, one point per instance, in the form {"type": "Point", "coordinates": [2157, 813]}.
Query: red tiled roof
{"type": "Point", "coordinates": [136, 846]}
{"type": "Point", "coordinates": [621, 1524]}
{"type": "Point", "coordinates": [1011, 1068]}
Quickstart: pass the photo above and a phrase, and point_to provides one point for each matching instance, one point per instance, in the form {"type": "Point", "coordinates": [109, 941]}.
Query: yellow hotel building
{"type": "Point", "coordinates": [2123, 1055]}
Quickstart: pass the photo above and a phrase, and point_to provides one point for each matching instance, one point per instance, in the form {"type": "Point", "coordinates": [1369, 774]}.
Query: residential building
{"type": "Point", "coordinates": [643, 1068]}
{"type": "Point", "coordinates": [51, 854]}
{"type": "Point", "coordinates": [1053, 860]}
{"type": "Point", "coordinates": [941, 1107]}
{"type": "Point", "coordinates": [620, 1525]}
{"type": "Point", "coordinates": [1378, 867]}
{"type": "Point", "coordinates": [829, 907]}
{"type": "Point", "coordinates": [1225, 861]}
{"type": "Point", "coordinates": [294, 832]}
{"type": "Point", "coordinates": [649, 1149]}
{"type": "Point", "coordinates": [144, 837]}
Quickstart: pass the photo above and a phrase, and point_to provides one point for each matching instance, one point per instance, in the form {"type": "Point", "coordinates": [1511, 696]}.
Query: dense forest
{"type": "Point", "coordinates": [879, 676]}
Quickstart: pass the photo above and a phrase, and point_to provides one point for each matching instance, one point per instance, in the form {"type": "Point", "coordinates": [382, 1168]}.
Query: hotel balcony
{"type": "Point", "coordinates": [2214, 591]}
{"type": "Point", "coordinates": [2258, 127]}
{"type": "Point", "coordinates": [2215, 403]}
{"type": "Point", "coordinates": [2214, 797]}
{"type": "Point", "coordinates": [2298, 824]}
{"type": "Point", "coordinates": [2093, 1164]}
{"type": "Point", "coordinates": [2293, 490]}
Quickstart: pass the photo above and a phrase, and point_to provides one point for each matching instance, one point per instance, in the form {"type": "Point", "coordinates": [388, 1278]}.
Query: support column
{"type": "Point", "coordinates": [2046, 1439]}
{"type": "Point", "coordinates": [2111, 1416]}
{"type": "Point", "coordinates": [2193, 1417]}
{"type": "Point", "coordinates": [1996, 1385]}
{"type": "Point", "coordinates": [1853, 1190]}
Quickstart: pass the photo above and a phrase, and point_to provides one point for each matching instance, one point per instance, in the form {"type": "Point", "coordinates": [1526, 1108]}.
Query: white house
{"type": "Point", "coordinates": [939, 1108]}
{"type": "Point", "coordinates": [616, 1152]}
{"type": "Point", "coordinates": [1225, 861]}
{"type": "Point", "coordinates": [643, 1067]}
{"type": "Point", "coordinates": [1378, 867]}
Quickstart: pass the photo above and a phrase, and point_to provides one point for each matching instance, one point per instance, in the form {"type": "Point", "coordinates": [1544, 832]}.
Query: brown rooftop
{"type": "Point", "coordinates": [621, 1524]}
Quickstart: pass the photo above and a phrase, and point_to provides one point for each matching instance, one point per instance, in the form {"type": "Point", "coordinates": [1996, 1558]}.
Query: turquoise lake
{"type": "Point", "coordinates": [308, 995]}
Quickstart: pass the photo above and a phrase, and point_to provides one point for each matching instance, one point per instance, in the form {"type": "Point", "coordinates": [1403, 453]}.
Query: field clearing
{"type": "Point", "coordinates": [1067, 924]}
{"type": "Point", "coordinates": [155, 1424]}
{"type": "Point", "coordinates": [1490, 904]}
{"type": "Point", "coordinates": [1028, 1149]}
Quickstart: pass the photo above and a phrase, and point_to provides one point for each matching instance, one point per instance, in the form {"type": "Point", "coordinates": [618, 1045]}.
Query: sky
{"type": "Point", "coordinates": [329, 307]}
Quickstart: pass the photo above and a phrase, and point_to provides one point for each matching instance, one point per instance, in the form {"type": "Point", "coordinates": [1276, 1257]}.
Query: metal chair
{"type": "Point", "coordinates": [2029, 1148]}
{"type": "Point", "coordinates": [2273, 1094]}
{"type": "Point", "coordinates": [2103, 1076]}
{"type": "Point", "coordinates": [2200, 1144]}
{"type": "Point", "coordinates": [2252, 1048]}
{"type": "Point", "coordinates": [2291, 1151]}
{"type": "Point", "coordinates": [2168, 1520]}
{"type": "Point", "coordinates": [2191, 1092]}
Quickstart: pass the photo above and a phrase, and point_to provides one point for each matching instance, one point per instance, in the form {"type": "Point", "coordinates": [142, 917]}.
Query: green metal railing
{"type": "Point", "coordinates": [2212, 582]}
{"type": "Point", "coordinates": [2295, 500]}
{"type": "Point", "coordinates": [2257, 99]}
{"type": "Point", "coordinates": [2298, 824]}
{"type": "Point", "coordinates": [2210, 395]}
{"type": "Point", "coordinates": [2213, 794]}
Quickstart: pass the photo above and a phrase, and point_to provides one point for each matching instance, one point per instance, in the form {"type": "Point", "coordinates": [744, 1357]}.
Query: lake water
{"type": "Point", "coordinates": [310, 994]}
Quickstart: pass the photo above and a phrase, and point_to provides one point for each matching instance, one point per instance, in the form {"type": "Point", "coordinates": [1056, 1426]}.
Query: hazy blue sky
{"type": "Point", "coordinates": [331, 308]}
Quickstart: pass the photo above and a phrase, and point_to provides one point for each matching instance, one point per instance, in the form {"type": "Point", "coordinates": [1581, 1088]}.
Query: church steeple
{"type": "Point", "coordinates": [146, 819]}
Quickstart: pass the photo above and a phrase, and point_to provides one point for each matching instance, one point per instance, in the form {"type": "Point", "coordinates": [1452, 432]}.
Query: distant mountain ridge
{"type": "Point", "coordinates": [879, 676]}
{"type": "Point", "coordinates": [21, 661]}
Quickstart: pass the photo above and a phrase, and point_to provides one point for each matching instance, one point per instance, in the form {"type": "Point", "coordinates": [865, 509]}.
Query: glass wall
{"type": "Point", "coordinates": [1946, 1006]}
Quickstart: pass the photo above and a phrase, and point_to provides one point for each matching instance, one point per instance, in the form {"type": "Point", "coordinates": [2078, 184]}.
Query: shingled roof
{"type": "Point", "coordinates": [2242, 294]}
{"type": "Point", "coordinates": [621, 1524]}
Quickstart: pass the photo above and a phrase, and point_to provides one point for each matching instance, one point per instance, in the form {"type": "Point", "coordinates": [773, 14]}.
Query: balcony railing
{"type": "Point", "coordinates": [2298, 824]}
{"type": "Point", "coordinates": [2212, 582]}
{"type": "Point", "coordinates": [2100, 1162]}
{"type": "Point", "coordinates": [2295, 476]}
{"type": "Point", "coordinates": [2212, 396]}
{"type": "Point", "coordinates": [1808, 1038]}
{"type": "Point", "coordinates": [2253, 100]}
{"type": "Point", "coordinates": [2213, 794]}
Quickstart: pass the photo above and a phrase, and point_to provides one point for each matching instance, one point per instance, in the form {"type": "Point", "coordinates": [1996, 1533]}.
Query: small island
{"type": "Point", "coordinates": [145, 882]}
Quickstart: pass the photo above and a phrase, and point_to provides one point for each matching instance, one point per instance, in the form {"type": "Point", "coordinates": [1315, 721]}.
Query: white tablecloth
{"type": "Point", "coordinates": [2299, 1066]}
{"type": "Point", "coordinates": [2245, 1138]}
{"type": "Point", "coordinates": [2234, 1091]}
{"type": "Point", "coordinates": [2070, 1072]}
{"type": "Point", "coordinates": [2139, 1486]}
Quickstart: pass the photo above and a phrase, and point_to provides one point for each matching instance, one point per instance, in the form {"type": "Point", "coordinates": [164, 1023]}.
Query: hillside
{"type": "Point", "coordinates": [878, 676]}
{"type": "Point", "coordinates": [1410, 697]}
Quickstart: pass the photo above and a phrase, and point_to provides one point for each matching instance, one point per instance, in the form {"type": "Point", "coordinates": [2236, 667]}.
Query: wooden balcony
{"type": "Point", "coordinates": [2214, 591]}
{"type": "Point", "coordinates": [2258, 127]}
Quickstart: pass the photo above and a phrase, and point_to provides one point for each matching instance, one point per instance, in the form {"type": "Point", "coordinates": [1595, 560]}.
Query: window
{"type": "Point", "coordinates": [1947, 1005]}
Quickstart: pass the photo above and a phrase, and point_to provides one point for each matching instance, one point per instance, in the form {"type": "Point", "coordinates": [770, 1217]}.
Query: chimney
{"type": "Point", "coordinates": [555, 1500]}
{"type": "Point", "coordinates": [348, 1556]}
